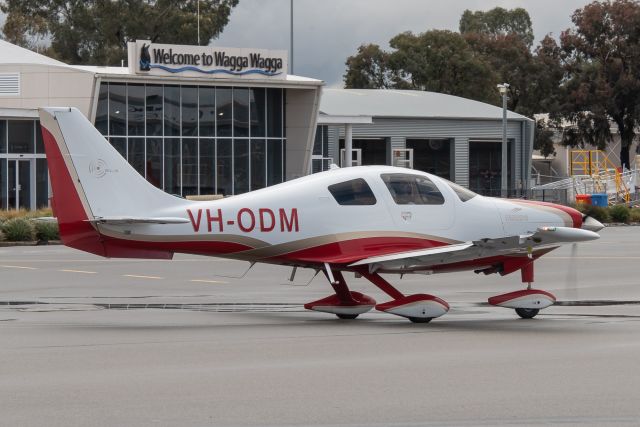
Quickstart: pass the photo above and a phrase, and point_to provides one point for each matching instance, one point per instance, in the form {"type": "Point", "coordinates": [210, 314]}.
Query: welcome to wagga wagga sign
{"type": "Point", "coordinates": [206, 61]}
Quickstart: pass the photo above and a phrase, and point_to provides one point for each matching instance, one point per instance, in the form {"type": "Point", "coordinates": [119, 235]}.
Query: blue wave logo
{"type": "Point", "coordinates": [198, 70]}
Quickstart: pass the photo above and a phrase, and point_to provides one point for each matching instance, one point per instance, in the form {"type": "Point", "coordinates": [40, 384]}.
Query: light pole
{"type": "Point", "coordinates": [503, 87]}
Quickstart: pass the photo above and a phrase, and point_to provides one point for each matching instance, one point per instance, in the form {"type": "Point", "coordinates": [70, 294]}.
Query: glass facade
{"type": "Point", "coordinates": [24, 180]}
{"type": "Point", "coordinates": [320, 160]}
{"type": "Point", "coordinates": [192, 140]}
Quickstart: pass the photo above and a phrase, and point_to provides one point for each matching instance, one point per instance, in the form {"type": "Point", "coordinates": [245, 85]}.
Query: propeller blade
{"type": "Point", "coordinates": [571, 282]}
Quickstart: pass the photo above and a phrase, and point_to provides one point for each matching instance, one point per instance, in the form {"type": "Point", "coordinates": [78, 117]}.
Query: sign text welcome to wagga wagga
{"type": "Point", "coordinates": [208, 61]}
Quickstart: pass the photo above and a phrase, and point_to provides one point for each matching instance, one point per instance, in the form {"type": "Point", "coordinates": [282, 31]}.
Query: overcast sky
{"type": "Point", "coordinates": [326, 32]}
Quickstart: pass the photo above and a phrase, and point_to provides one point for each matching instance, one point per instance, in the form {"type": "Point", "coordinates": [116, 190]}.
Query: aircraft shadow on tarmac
{"type": "Point", "coordinates": [472, 316]}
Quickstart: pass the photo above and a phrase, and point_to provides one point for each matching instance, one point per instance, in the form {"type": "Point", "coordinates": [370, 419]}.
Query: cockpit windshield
{"type": "Point", "coordinates": [412, 189]}
{"type": "Point", "coordinates": [463, 194]}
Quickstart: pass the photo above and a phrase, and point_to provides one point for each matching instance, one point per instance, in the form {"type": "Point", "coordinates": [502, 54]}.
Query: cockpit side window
{"type": "Point", "coordinates": [463, 194]}
{"type": "Point", "coordinates": [412, 189]}
{"type": "Point", "coordinates": [353, 192]}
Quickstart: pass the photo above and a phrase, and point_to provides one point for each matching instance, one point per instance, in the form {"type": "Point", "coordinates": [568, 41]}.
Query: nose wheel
{"type": "Point", "coordinates": [527, 313]}
{"type": "Point", "coordinates": [420, 319]}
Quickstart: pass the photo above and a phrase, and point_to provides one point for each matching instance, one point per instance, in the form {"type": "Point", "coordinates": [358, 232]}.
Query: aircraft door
{"type": "Point", "coordinates": [416, 203]}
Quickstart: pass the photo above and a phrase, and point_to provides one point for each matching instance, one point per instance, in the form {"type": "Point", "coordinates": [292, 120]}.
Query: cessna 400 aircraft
{"type": "Point", "coordinates": [366, 220]}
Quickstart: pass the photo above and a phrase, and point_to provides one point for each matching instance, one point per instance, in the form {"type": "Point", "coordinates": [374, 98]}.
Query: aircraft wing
{"type": "Point", "coordinates": [483, 248]}
{"type": "Point", "coordinates": [121, 220]}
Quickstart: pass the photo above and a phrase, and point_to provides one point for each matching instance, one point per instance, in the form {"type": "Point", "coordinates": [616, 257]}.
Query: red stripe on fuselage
{"type": "Point", "coordinates": [576, 216]}
{"type": "Point", "coordinates": [349, 251]}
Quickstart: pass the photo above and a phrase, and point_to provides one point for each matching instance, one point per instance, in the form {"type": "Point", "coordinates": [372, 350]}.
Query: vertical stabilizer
{"type": "Point", "coordinates": [91, 180]}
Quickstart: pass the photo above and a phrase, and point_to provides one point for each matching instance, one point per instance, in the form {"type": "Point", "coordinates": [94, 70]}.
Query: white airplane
{"type": "Point", "coordinates": [366, 220]}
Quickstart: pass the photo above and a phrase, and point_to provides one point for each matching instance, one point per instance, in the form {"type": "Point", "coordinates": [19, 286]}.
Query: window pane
{"type": "Point", "coordinates": [172, 166]}
{"type": "Point", "coordinates": [240, 112]}
{"type": "Point", "coordinates": [274, 161]}
{"type": "Point", "coordinates": [241, 166]}
{"type": "Point", "coordinates": [3, 136]}
{"type": "Point", "coordinates": [42, 184]}
{"type": "Point", "coordinates": [223, 111]}
{"type": "Point", "coordinates": [21, 136]}
{"type": "Point", "coordinates": [258, 164]}
{"type": "Point", "coordinates": [207, 98]}
{"type": "Point", "coordinates": [274, 112]}
{"type": "Point", "coordinates": [325, 141]}
{"type": "Point", "coordinates": [4, 202]}
{"type": "Point", "coordinates": [207, 166]}
{"type": "Point", "coordinates": [284, 116]}
{"type": "Point", "coordinates": [258, 116]}
{"type": "Point", "coordinates": [102, 110]}
{"type": "Point", "coordinates": [24, 181]}
{"type": "Point", "coordinates": [154, 110]}
{"type": "Point", "coordinates": [224, 157]}
{"type": "Point", "coordinates": [189, 111]}
{"type": "Point", "coordinates": [353, 192]}
{"type": "Point", "coordinates": [39, 141]}
{"type": "Point", "coordinates": [154, 161]}
{"type": "Point", "coordinates": [412, 189]}
{"type": "Point", "coordinates": [462, 193]}
{"type": "Point", "coordinates": [120, 144]}
{"type": "Point", "coordinates": [317, 143]}
{"type": "Point", "coordinates": [189, 166]}
{"type": "Point", "coordinates": [172, 110]}
{"type": "Point", "coordinates": [136, 154]}
{"type": "Point", "coordinates": [117, 109]}
{"type": "Point", "coordinates": [135, 108]}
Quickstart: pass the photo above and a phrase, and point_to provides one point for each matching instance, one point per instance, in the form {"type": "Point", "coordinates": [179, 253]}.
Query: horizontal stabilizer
{"type": "Point", "coordinates": [121, 220]}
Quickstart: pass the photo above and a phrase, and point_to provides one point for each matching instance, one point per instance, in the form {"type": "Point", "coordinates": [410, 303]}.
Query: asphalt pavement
{"type": "Point", "coordinates": [202, 341]}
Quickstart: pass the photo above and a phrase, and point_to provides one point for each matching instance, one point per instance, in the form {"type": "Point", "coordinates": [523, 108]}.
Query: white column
{"type": "Point", "coordinates": [348, 145]}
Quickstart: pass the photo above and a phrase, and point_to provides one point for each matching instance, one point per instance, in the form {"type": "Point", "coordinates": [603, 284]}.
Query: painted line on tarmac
{"type": "Point", "coordinates": [135, 276]}
{"type": "Point", "coordinates": [79, 271]}
{"type": "Point", "coordinates": [208, 281]}
{"type": "Point", "coordinates": [22, 267]}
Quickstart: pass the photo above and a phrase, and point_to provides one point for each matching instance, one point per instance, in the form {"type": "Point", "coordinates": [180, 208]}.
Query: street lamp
{"type": "Point", "coordinates": [502, 88]}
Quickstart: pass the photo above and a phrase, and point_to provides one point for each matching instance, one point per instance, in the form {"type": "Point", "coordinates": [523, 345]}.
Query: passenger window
{"type": "Point", "coordinates": [354, 192]}
{"type": "Point", "coordinates": [412, 189]}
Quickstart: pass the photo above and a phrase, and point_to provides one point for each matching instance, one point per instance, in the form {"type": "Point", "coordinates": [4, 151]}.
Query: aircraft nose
{"type": "Point", "coordinates": [572, 217]}
{"type": "Point", "coordinates": [591, 224]}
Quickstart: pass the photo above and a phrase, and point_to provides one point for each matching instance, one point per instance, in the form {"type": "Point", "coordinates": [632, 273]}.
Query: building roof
{"type": "Point", "coordinates": [124, 72]}
{"type": "Point", "coordinates": [12, 54]}
{"type": "Point", "coordinates": [406, 104]}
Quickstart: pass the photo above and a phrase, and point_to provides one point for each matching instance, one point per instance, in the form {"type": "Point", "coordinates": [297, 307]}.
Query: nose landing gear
{"type": "Point", "coordinates": [527, 302]}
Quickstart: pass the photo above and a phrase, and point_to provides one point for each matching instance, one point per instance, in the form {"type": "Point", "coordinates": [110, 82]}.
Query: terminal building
{"type": "Point", "coordinates": [189, 128]}
{"type": "Point", "coordinates": [222, 121]}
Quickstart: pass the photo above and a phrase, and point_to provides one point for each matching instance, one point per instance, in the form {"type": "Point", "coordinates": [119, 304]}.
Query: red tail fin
{"type": "Point", "coordinates": [75, 230]}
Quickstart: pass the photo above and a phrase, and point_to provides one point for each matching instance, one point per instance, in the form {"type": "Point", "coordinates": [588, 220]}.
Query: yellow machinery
{"type": "Point", "coordinates": [597, 165]}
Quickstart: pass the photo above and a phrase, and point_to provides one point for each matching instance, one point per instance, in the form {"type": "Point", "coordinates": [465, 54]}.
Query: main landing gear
{"type": "Point", "coordinates": [346, 304]}
{"type": "Point", "coordinates": [527, 302]}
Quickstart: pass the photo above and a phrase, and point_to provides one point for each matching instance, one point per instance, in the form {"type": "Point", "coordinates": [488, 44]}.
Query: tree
{"type": "Point", "coordinates": [369, 69]}
{"type": "Point", "coordinates": [602, 64]}
{"type": "Point", "coordinates": [498, 22]}
{"type": "Point", "coordinates": [97, 31]}
{"type": "Point", "coordinates": [441, 61]}
{"type": "Point", "coordinates": [511, 61]}
{"type": "Point", "coordinates": [438, 61]}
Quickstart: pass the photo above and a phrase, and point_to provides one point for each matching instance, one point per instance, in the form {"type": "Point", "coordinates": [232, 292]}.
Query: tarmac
{"type": "Point", "coordinates": [202, 341]}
